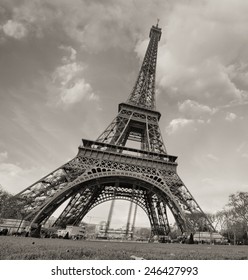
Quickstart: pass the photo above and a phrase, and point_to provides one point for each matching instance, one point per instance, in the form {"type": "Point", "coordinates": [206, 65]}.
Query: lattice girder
{"type": "Point", "coordinates": [158, 173]}
{"type": "Point", "coordinates": [39, 192]}
{"type": "Point", "coordinates": [162, 216]}
{"type": "Point", "coordinates": [136, 124]}
{"type": "Point", "coordinates": [143, 93]}
{"type": "Point", "coordinates": [83, 199]}
{"type": "Point", "coordinates": [128, 189]}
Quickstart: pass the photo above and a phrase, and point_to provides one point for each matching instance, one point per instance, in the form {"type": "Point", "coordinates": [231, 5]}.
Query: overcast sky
{"type": "Point", "coordinates": [65, 66]}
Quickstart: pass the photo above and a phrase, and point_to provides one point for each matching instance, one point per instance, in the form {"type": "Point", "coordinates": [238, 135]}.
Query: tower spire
{"type": "Point", "coordinates": [143, 93]}
{"type": "Point", "coordinates": [137, 119]}
{"type": "Point", "coordinates": [157, 22]}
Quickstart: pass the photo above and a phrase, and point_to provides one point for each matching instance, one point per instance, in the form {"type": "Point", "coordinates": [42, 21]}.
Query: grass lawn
{"type": "Point", "coordinates": [21, 248]}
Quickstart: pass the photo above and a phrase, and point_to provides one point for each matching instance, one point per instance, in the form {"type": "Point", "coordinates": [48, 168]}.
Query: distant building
{"type": "Point", "coordinates": [90, 231]}
{"type": "Point", "coordinates": [119, 233]}
{"type": "Point", "coordinates": [73, 232]}
{"type": "Point", "coordinates": [14, 225]}
{"type": "Point", "coordinates": [101, 226]}
{"type": "Point", "coordinates": [142, 233]}
{"type": "Point", "coordinates": [208, 237]}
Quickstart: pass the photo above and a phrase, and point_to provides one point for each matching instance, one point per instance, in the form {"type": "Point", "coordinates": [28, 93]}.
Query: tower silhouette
{"type": "Point", "coordinates": [107, 169]}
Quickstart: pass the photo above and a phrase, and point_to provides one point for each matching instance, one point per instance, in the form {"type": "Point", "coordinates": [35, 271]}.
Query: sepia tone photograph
{"type": "Point", "coordinates": [123, 130]}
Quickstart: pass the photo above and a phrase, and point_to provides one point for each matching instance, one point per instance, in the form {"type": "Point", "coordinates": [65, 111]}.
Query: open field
{"type": "Point", "coordinates": [21, 248]}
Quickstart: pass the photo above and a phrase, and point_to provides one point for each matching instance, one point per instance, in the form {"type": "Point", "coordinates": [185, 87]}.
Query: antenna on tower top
{"type": "Point", "coordinates": [157, 22]}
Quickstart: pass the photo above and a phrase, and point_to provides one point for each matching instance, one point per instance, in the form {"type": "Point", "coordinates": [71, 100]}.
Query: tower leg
{"type": "Point", "coordinates": [152, 214]}
{"type": "Point", "coordinates": [163, 219]}
{"type": "Point", "coordinates": [134, 219]}
{"type": "Point", "coordinates": [128, 219]}
{"type": "Point", "coordinates": [109, 217]}
{"type": "Point", "coordinates": [35, 231]}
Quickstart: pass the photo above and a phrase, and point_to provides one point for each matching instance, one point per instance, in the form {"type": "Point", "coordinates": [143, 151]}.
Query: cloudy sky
{"type": "Point", "coordinates": [65, 66]}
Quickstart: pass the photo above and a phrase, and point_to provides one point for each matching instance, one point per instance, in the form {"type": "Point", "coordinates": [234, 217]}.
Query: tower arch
{"type": "Point", "coordinates": [85, 194]}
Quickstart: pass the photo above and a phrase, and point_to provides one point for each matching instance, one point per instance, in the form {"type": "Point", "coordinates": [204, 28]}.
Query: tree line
{"type": "Point", "coordinates": [232, 220]}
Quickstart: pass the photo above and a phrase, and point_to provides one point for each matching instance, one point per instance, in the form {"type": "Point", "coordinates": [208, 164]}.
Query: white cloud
{"type": "Point", "coordinates": [114, 24]}
{"type": "Point", "coordinates": [3, 156]}
{"type": "Point", "coordinates": [9, 169]}
{"type": "Point", "coordinates": [92, 24]}
{"type": "Point", "coordinates": [209, 181]}
{"type": "Point", "coordinates": [14, 177]}
{"type": "Point", "coordinates": [193, 109]}
{"type": "Point", "coordinates": [68, 78]}
{"type": "Point", "coordinates": [14, 29]}
{"type": "Point", "coordinates": [202, 41]}
{"type": "Point", "coordinates": [230, 117]}
{"type": "Point", "coordinates": [72, 54]}
{"type": "Point", "coordinates": [241, 147]}
{"type": "Point", "coordinates": [176, 124]}
{"type": "Point", "coordinates": [141, 47]}
{"type": "Point", "coordinates": [245, 155]}
{"type": "Point", "coordinates": [79, 91]}
{"type": "Point", "coordinates": [67, 73]}
{"type": "Point", "coordinates": [242, 150]}
{"type": "Point", "coordinates": [212, 157]}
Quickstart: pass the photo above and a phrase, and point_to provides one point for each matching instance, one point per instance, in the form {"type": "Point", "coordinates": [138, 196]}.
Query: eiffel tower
{"type": "Point", "coordinates": [106, 169]}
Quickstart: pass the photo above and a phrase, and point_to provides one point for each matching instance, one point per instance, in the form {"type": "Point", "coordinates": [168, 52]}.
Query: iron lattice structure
{"type": "Point", "coordinates": [107, 169]}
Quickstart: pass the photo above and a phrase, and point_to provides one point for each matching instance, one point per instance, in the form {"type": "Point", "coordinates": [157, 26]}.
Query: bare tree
{"type": "Point", "coordinates": [238, 204]}
{"type": "Point", "coordinates": [233, 219]}
{"type": "Point", "coordinates": [4, 197]}
{"type": "Point", "coordinates": [10, 206]}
